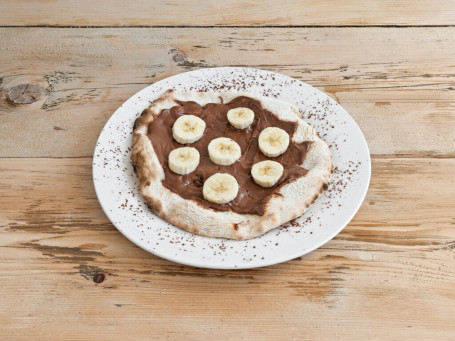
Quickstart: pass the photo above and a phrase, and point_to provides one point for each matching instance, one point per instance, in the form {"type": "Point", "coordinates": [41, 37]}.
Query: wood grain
{"type": "Point", "coordinates": [393, 81]}
{"type": "Point", "coordinates": [237, 12]}
{"type": "Point", "coordinates": [389, 275]}
{"type": "Point", "coordinates": [390, 272]}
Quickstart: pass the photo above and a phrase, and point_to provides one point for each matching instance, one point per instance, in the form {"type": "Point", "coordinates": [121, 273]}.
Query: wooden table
{"type": "Point", "coordinates": [67, 273]}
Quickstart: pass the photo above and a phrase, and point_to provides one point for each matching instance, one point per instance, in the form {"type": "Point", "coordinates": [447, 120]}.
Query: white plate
{"type": "Point", "coordinates": [117, 187]}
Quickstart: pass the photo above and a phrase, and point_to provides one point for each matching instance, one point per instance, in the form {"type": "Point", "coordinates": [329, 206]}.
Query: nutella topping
{"type": "Point", "coordinates": [251, 198]}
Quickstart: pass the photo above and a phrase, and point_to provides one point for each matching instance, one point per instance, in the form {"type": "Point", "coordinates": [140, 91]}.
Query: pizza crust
{"type": "Point", "coordinates": [293, 199]}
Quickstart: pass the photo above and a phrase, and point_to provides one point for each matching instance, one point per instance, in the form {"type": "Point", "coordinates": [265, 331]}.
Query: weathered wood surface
{"type": "Point", "coordinates": [393, 81]}
{"type": "Point", "coordinates": [390, 273]}
{"type": "Point", "coordinates": [237, 12]}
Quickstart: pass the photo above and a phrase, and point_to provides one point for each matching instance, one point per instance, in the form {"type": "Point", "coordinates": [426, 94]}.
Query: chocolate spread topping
{"type": "Point", "coordinates": [251, 198]}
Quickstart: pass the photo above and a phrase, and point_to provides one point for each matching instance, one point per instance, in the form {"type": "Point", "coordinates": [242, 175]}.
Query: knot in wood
{"type": "Point", "coordinates": [24, 93]}
{"type": "Point", "coordinates": [98, 278]}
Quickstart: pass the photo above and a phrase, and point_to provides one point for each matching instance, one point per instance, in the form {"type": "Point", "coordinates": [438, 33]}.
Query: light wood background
{"type": "Point", "coordinates": [390, 275]}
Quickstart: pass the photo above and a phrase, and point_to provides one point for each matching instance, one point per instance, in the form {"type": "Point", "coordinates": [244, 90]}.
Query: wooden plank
{"type": "Point", "coordinates": [61, 190]}
{"type": "Point", "coordinates": [389, 273]}
{"type": "Point", "coordinates": [237, 12]}
{"type": "Point", "coordinates": [398, 83]}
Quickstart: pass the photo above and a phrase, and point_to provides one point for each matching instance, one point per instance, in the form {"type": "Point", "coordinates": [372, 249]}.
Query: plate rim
{"type": "Point", "coordinates": [220, 266]}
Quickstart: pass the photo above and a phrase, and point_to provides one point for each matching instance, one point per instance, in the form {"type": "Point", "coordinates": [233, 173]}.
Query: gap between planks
{"type": "Point", "coordinates": [373, 156]}
{"type": "Point", "coordinates": [226, 26]}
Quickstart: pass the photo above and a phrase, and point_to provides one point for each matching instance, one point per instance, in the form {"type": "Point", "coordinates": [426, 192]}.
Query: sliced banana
{"type": "Point", "coordinates": [220, 188]}
{"type": "Point", "coordinates": [240, 118]}
{"type": "Point", "coordinates": [188, 129]}
{"type": "Point", "coordinates": [267, 173]}
{"type": "Point", "coordinates": [183, 160]}
{"type": "Point", "coordinates": [273, 141]}
{"type": "Point", "coordinates": [224, 151]}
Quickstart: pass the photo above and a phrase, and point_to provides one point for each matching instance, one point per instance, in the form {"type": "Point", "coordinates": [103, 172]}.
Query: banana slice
{"type": "Point", "coordinates": [188, 129]}
{"type": "Point", "coordinates": [183, 160]}
{"type": "Point", "coordinates": [240, 118]}
{"type": "Point", "coordinates": [224, 151]}
{"type": "Point", "coordinates": [267, 173]}
{"type": "Point", "coordinates": [273, 141]}
{"type": "Point", "coordinates": [220, 188]}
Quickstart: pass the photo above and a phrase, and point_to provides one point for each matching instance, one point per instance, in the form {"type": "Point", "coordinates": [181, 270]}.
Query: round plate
{"type": "Point", "coordinates": [116, 184]}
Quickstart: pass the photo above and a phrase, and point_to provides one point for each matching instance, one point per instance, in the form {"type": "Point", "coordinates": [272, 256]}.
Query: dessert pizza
{"type": "Point", "coordinates": [231, 165]}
